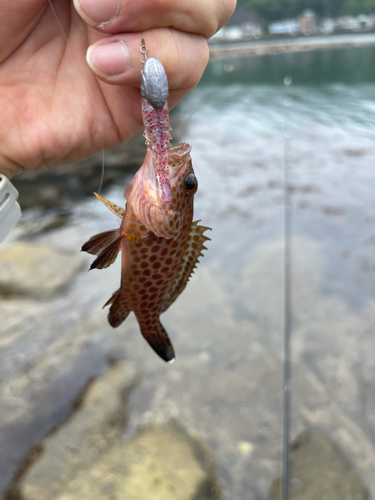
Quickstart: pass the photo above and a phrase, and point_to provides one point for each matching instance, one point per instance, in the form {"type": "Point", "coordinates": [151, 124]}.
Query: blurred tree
{"type": "Point", "coordinates": [353, 7]}
{"type": "Point", "coordinates": [271, 10]}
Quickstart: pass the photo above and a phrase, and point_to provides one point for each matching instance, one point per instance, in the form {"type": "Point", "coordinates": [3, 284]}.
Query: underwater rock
{"type": "Point", "coordinates": [159, 462]}
{"type": "Point", "coordinates": [320, 470]}
{"type": "Point", "coordinates": [36, 271]}
{"type": "Point", "coordinates": [96, 424]}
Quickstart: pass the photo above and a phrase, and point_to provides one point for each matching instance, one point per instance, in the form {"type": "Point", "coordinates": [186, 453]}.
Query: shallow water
{"type": "Point", "coordinates": [245, 127]}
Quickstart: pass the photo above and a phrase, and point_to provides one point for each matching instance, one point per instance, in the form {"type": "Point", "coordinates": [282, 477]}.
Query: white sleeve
{"type": "Point", "coordinates": [10, 211]}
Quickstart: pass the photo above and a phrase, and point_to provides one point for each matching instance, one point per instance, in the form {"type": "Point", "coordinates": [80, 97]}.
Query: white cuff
{"type": "Point", "coordinates": [10, 211]}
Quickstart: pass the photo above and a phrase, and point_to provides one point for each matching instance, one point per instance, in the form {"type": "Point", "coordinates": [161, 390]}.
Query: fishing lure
{"type": "Point", "coordinates": [155, 114]}
{"type": "Point", "coordinates": [159, 241]}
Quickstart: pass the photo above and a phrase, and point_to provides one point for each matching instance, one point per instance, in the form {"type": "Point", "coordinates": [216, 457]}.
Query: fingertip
{"type": "Point", "coordinates": [88, 20]}
{"type": "Point", "coordinates": [108, 60]}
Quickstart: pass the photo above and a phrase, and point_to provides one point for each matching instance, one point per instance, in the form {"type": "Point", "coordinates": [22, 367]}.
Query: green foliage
{"type": "Point", "coordinates": [270, 10]}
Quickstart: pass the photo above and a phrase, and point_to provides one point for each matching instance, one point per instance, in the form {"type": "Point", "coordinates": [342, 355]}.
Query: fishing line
{"type": "Point", "coordinates": [287, 364]}
{"type": "Point", "coordinates": [103, 167]}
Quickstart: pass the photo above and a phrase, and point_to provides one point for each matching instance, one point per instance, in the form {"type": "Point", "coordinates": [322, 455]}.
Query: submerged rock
{"type": "Point", "coordinates": [160, 462]}
{"type": "Point", "coordinates": [93, 427]}
{"type": "Point", "coordinates": [320, 470]}
{"type": "Point", "coordinates": [36, 271]}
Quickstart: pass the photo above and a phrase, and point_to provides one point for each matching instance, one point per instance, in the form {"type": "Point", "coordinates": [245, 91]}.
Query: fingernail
{"type": "Point", "coordinates": [97, 11]}
{"type": "Point", "coordinates": [108, 59]}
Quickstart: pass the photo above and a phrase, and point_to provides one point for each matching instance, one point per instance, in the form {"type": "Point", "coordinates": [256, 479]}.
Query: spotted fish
{"type": "Point", "coordinates": [160, 246]}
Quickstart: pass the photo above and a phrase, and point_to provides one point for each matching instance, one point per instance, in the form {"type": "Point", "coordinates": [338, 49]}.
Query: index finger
{"type": "Point", "coordinates": [203, 17]}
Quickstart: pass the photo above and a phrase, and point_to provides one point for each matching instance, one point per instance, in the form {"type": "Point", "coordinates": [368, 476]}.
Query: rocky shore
{"type": "Point", "coordinates": [280, 46]}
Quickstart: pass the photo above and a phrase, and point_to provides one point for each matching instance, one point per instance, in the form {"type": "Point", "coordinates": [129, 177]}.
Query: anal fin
{"type": "Point", "coordinates": [119, 310]}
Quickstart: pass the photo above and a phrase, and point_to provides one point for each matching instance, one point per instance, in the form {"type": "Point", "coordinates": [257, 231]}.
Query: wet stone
{"type": "Point", "coordinates": [320, 470]}
{"type": "Point", "coordinates": [93, 427]}
{"type": "Point", "coordinates": [36, 271]}
{"type": "Point", "coordinates": [161, 462]}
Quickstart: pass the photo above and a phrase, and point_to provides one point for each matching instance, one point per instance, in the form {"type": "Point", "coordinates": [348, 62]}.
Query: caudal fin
{"type": "Point", "coordinates": [106, 246]}
{"type": "Point", "coordinates": [158, 339]}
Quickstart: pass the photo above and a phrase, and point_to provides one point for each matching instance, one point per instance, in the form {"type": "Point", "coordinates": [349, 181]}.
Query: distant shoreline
{"type": "Point", "coordinates": [297, 44]}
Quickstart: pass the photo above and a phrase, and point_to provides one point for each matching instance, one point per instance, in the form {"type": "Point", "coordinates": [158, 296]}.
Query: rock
{"type": "Point", "coordinates": [36, 271]}
{"type": "Point", "coordinates": [159, 462]}
{"type": "Point", "coordinates": [96, 424]}
{"type": "Point", "coordinates": [320, 470]}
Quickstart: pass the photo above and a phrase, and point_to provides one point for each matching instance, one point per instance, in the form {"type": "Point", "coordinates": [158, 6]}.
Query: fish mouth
{"type": "Point", "coordinates": [143, 194]}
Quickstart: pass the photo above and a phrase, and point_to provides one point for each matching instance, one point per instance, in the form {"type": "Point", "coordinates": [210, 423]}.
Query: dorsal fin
{"type": "Point", "coordinates": [112, 206]}
{"type": "Point", "coordinates": [193, 251]}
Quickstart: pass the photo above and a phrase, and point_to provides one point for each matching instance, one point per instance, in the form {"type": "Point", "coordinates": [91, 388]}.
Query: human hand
{"type": "Point", "coordinates": [54, 108]}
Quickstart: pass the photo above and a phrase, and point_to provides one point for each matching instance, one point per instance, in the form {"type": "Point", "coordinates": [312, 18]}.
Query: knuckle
{"type": "Point", "coordinates": [227, 11]}
{"type": "Point", "coordinates": [223, 11]}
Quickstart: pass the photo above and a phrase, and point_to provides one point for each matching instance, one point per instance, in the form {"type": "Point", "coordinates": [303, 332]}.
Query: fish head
{"type": "Point", "coordinates": [165, 219]}
{"type": "Point", "coordinates": [178, 212]}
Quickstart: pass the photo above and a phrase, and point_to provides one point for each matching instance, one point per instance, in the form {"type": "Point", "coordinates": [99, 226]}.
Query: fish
{"type": "Point", "coordinates": [159, 242]}
{"type": "Point", "coordinates": [160, 246]}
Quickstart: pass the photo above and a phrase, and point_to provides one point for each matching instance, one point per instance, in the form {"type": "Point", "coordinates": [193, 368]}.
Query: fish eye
{"type": "Point", "coordinates": [190, 184]}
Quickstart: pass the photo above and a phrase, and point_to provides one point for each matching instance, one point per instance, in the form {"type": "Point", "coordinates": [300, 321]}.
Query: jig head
{"type": "Point", "coordinates": [154, 82]}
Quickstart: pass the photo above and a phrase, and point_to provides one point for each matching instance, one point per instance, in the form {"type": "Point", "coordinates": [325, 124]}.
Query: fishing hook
{"type": "Point", "coordinates": [144, 50]}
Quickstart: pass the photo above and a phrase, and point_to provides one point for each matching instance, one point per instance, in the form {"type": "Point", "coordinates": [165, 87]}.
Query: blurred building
{"type": "Point", "coordinates": [355, 23]}
{"type": "Point", "coordinates": [288, 27]}
{"type": "Point", "coordinates": [307, 23]}
{"type": "Point", "coordinates": [326, 26]}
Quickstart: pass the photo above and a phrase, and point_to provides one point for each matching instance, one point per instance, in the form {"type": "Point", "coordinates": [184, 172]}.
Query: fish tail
{"type": "Point", "coordinates": [158, 339]}
{"type": "Point", "coordinates": [119, 309]}
{"type": "Point", "coordinates": [105, 246]}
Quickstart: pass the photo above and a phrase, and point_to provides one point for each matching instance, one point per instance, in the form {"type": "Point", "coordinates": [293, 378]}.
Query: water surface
{"type": "Point", "coordinates": [245, 127]}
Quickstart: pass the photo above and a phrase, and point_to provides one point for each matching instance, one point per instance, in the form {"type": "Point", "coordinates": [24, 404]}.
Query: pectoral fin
{"type": "Point", "coordinates": [107, 256]}
{"type": "Point", "coordinates": [99, 242]}
{"type": "Point", "coordinates": [193, 250]}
